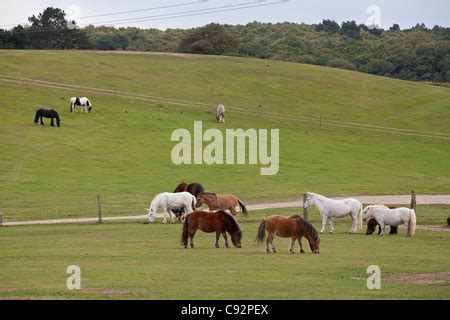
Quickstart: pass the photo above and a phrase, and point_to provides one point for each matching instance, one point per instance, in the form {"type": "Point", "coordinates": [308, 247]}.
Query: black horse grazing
{"type": "Point", "coordinates": [43, 113]}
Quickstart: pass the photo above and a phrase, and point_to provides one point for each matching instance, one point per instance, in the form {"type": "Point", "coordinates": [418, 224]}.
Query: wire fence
{"type": "Point", "coordinates": [12, 210]}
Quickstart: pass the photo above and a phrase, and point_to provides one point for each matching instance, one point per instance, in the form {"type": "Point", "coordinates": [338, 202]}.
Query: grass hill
{"type": "Point", "coordinates": [341, 132]}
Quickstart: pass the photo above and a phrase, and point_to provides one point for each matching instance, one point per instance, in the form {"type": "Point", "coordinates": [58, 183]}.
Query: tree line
{"type": "Point", "coordinates": [418, 53]}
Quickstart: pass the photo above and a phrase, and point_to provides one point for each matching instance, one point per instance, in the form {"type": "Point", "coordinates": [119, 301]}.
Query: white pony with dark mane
{"type": "Point", "coordinates": [168, 201]}
{"type": "Point", "coordinates": [330, 208]}
{"type": "Point", "coordinates": [84, 103]}
{"type": "Point", "coordinates": [392, 217]}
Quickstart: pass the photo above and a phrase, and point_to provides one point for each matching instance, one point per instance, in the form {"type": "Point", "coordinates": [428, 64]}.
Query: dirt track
{"type": "Point", "coordinates": [398, 200]}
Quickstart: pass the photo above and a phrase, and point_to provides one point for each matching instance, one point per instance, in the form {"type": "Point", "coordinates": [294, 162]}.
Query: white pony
{"type": "Point", "coordinates": [84, 103]}
{"type": "Point", "coordinates": [330, 208]}
{"type": "Point", "coordinates": [220, 113]}
{"type": "Point", "coordinates": [168, 201]}
{"type": "Point", "coordinates": [392, 217]}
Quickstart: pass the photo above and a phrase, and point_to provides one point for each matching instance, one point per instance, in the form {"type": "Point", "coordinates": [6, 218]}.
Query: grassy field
{"type": "Point", "coordinates": [132, 260]}
{"type": "Point", "coordinates": [122, 150]}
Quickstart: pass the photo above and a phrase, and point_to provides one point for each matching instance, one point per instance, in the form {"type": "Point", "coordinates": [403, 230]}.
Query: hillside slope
{"type": "Point", "coordinates": [122, 150]}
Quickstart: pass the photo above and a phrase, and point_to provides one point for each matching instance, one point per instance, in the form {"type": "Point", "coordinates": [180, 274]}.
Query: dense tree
{"type": "Point", "coordinates": [417, 53]}
{"type": "Point", "coordinates": [328, 26]}
{"type": "Point", "coordinates": [210, 39]}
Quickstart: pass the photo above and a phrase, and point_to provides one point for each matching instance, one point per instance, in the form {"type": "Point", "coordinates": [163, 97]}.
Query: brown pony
{"type": "Point", "coordinates": [225, 202]}
{"type": "Point", "coordinates": [182, 187]}
{"type": "Point", "coordinates": [288, 227]}
{"type": "Point", "coordinates": [219, 222]}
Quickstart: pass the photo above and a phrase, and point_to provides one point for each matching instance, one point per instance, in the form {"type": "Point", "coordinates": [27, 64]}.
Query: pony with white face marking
{"type": "Point", "coordinates": [84, 103]}
{"type": "Point", "coordinates": [392, 217]}
{"type": "Point", "coordinates": [168, 201]}
{"type": "Point", "coordinates": [330, 208]}
{"type": "Point", "coordinates": [220, 113]}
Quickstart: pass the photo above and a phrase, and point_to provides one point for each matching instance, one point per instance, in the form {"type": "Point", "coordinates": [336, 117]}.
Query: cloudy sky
{"type": "Point", "coordinates": [194, 12]}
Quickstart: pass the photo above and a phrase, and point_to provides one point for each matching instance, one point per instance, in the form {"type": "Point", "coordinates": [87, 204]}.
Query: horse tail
{"type": "Point", "coordinates": [261, 235]}
{"type": "Point", "coordinates": [360, 216]}
{"type": "Point", "coordinates": [36, 117]}
{"type": "Point", "coordinates": [194, 203]}
{"type": "Point", "coordinates": [185, 233]}
{"type": "Point", "coordinates": [243, 208]}
{"type": "Point", "coordinates": [412, 223]}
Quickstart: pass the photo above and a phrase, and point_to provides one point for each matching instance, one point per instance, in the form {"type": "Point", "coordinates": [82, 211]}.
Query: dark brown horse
{"type": "Point", "coordinates": [288, 227]}
{"type": "Point", "coordinates": [373, 224]}
{"type": "Point", "coordinates": [223, 202]}
{"type": "Point", "coordinates": [194, 188]}
{"type": "Point", "coordinates": [219, 222]}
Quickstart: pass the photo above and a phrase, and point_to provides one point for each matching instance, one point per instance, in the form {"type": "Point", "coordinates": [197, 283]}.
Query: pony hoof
{"type": "Point", "coordinates": [302, 251]}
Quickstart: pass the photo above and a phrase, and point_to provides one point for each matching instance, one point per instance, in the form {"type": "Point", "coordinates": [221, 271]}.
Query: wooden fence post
{"type": "Point", "coordinates": [100, 220]}
{"type": "Point", "coordinates": [1, 212]}
{"type": "Point", "coordinates": [305, 210]}
{"type": "Point", "coordinates": [413, 200]}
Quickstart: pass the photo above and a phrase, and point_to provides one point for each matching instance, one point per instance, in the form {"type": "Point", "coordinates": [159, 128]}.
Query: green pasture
{"type": "Point", "coordinates": [122, 150]}
{"type": "Point", "coordinates": [131, 260]}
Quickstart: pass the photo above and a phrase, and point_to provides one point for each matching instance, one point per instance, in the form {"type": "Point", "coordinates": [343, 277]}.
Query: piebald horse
{"type": "Point", "coordinates": [330, 208]}
{"type": "Point", "coordinates": [84, 103]}
{"type": "Point", "coordinates": [223, 202]}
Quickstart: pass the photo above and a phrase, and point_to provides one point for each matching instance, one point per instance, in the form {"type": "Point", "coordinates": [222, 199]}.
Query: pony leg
{"type": "Point", "coordinates": [165, 215]}
{"type": "Point", "coordinates": [324, 223]}
{"type": "Point", "coordinates": [217, 238]}
{"type": "Point", "coordinates": [224, 234]}
{"type": "Point", "coordinates": [270, 238]}
{"type": "Point", "coordinates": [382, 227]}
{"type": "Point", "coordinates": [354, 224]}
{"type": "Point", "coordinates": [191, 239]}
{"type": "Point", "coordinates": [171, 215]}
{"type": "Point", "coordinates": [331, 225]}
{"type": "Point", "coordinates": [267, 245]}
{"type": "Point", "coordinates": [291, 247]}
{"type": "Point", "coordinates": [52, 123]}
{"type": "Point", "coordinates": [233, 211]}
{"type": "Point", "coordinates": [301, 245]}
{"type": "Point", "coordinates": [42, 122]}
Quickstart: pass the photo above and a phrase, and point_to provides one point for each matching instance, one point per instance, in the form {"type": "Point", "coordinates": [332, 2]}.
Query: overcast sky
{"type": "Point", "coordinates": [404, 12]}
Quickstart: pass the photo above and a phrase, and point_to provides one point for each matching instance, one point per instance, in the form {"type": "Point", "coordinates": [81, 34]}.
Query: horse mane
{"type": "Point", "coordinates": [231, 220]}
{"type": "Point", "coordinates": [311, 232]}
{"type": "Point", "coordinates": [209, 193]}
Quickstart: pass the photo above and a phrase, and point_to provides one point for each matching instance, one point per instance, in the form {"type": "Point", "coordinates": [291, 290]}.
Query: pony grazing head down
{"type": "Point", "coordinates": [311, 234]}
{"type": "Point", "coordinates": [235, 230]}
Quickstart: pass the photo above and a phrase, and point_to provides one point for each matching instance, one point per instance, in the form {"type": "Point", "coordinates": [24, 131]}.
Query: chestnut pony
{"type": "Point", "coordinates": [224, 202]}
{"type": "Point", "coordinates": [288, 227]}
{"type": "Point", "coordinates": [219, 222]}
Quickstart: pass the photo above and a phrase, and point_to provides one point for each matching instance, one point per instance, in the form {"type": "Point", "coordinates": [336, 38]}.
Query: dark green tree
{"type": "Point", "coordinates": [210, 39]}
